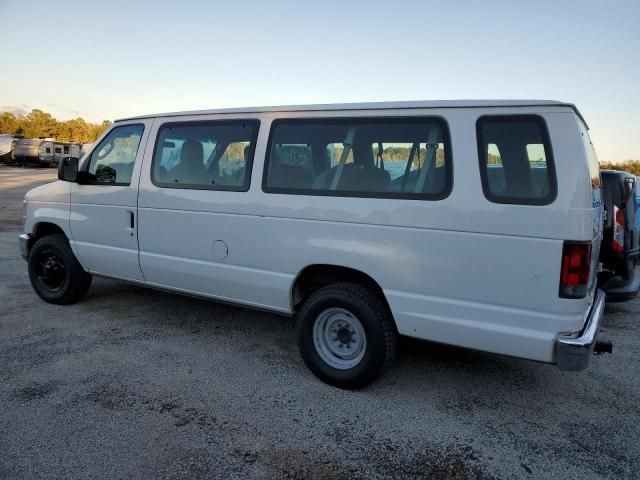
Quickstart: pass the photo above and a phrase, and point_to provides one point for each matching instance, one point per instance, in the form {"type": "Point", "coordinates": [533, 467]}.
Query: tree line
{"type": "Point", "coordinates": [631, 166]}
{"type": "Point", "coordinates": [393, 154]}
{"type": "Point", "coordinates": [38, 124]}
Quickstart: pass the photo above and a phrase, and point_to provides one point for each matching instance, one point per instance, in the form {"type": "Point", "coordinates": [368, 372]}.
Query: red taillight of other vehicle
{"type": "Point", "coordinates": [617, 240]}
{"type": "Point", "coordinates": [574, 276]}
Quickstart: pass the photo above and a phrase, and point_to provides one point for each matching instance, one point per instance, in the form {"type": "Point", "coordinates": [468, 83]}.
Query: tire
{"type": "Point", "coordinates": [55, 273]}
{"type": "Point", "coordinates": [365, 335]}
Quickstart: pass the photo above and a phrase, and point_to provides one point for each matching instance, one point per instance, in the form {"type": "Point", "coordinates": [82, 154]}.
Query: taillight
{"type": "Point", "coordinates": [617, 240]}
{"type": "Point", "coordinates": [574, 276]}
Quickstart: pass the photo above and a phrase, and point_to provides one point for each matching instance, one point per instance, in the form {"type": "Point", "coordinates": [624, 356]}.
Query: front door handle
{"type": "Point", "coordinates": [132, 222]}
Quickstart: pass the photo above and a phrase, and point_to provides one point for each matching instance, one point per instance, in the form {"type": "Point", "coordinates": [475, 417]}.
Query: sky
{"type": "Point", "coordinates": [110, 59]}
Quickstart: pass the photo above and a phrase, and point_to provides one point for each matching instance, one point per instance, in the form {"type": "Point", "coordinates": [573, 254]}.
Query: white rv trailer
{"type": "Point", "coordinates": [27, 151]}
{"type": "Point", "coordinates": [62, 150]}
{"type": "Point", "coordinates": [44, 151]}
{"type": "Point", "coordinates": [7, 144]}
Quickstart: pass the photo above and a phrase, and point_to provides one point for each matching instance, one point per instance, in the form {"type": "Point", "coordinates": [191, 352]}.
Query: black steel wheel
{"type": "Point", "coordinates": [55, 273]}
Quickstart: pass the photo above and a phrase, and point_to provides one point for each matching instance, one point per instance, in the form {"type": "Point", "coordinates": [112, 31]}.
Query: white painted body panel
{"type": "Point", "coordinates": [48, 204]}
{"type": "Point", "coordinates": [462, 270]}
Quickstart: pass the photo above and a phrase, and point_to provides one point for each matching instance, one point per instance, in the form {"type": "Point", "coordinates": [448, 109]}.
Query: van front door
{"type": "Point", "coordinates": [104, 204]}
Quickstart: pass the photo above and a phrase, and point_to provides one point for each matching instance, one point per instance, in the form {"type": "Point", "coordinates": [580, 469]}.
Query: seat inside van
{"type": "Point", "coordinates": [359, 175]}
{"type": "Point", "coordinates": [281, 173]}
{"type": "Point", "coordinates": [191, 168]}
{"type": "Point", "coordinates": [434, 184]}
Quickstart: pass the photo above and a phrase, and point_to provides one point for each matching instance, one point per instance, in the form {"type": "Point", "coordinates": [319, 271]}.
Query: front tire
{"type": "Point", "coordinates": [346, 335]}
{"type": "Point", "coordinates": [55, 273]}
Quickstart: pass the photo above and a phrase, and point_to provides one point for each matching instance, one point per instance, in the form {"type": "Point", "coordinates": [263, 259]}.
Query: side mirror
{"type": "Point", "coordinates": [68, 169]}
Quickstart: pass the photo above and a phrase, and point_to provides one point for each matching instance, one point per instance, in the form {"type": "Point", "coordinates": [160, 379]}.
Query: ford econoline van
{"type": "Point", "coordinates": [471, 223]}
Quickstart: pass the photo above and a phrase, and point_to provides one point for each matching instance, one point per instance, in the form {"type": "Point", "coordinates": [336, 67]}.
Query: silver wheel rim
{"type": "Point", "coordinates": [339, 338]}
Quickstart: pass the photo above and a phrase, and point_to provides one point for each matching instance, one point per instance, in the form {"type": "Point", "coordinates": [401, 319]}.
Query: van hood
{"type": "Point", "coordinates": [58, 192]}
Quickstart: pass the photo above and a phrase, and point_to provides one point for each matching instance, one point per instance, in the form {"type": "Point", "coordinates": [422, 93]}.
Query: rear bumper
{"type": "Point", "coordinates": [24, 241]}
{"type": "Point", "coordinates": [574, 353]}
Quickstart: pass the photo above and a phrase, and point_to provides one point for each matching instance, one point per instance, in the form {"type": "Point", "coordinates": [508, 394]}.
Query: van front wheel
{"type": "Point", "coordinates": [346, 335]}
{"type": "Point", "coordinates": [55, 273]}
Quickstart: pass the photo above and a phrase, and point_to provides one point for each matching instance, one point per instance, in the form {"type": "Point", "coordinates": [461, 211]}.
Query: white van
{"type": "Point", "coordinates": [472, 223]}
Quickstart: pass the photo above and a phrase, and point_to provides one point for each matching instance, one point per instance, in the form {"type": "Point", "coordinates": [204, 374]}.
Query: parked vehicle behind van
{"type": "Point", "coordinates": [637, 203]}
{"type": "Point", "coordinates": [619, 277]}
{"type": "Point", "coordinates": [471, 223]}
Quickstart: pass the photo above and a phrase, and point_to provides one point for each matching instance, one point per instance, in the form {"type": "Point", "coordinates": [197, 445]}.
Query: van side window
{"type": "Point", "coordinates": [516, 161]}
{"type": "Point", "coordinates": [205, 155]}
{"type": "Point", "coordinates": [365, 157]}
{"type": "Point", "coordinates": [113, 159]}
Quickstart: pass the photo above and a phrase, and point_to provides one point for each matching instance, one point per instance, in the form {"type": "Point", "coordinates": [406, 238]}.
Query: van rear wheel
{"type": "Point", "coordinates": [55, 273]}
{"type": "Point", "coordinates": [346, 335]}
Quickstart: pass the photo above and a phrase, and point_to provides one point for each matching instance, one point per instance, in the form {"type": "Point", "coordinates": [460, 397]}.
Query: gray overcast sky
{"type": "Point", "coordinates": [107, 59]}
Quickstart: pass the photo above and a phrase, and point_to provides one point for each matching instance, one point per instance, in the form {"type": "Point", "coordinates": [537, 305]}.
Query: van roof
{"type": "Point", "coordinates": [415, 104]}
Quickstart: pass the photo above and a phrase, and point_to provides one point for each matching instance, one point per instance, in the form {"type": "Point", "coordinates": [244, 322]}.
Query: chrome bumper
{"type": "Point", "coordinates": [574, 353]}
{"type": "Point", "coordinates": [25, 244]}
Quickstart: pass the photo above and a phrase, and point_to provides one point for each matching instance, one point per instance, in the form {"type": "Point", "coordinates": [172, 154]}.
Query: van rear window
{"type": "Point", "coordinates": [516, 161]}
{"type": "Point", "coordinates": [360, 157]}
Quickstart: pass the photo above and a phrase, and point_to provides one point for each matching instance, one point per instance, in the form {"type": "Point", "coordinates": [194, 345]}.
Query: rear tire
{"type": "Point", "coordinates": [55, 273]}
{"type": "Point", "coordinates": [346, 335]}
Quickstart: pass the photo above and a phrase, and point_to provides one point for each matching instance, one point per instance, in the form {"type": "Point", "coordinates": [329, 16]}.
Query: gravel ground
{"type": "Point", "coordinates": [134, 383]}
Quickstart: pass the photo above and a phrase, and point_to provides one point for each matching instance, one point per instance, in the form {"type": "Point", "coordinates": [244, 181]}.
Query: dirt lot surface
{"type": "Point", "coordinates": [134, 383]}
{"type": "Point", "coordinates": [14, 183]}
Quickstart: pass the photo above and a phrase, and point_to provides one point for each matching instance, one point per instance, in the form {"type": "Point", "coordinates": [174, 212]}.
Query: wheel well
{"type": "Point", "coordinates": [316, 276]}
{"type": "Point", "coordinates": [45, 228]}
